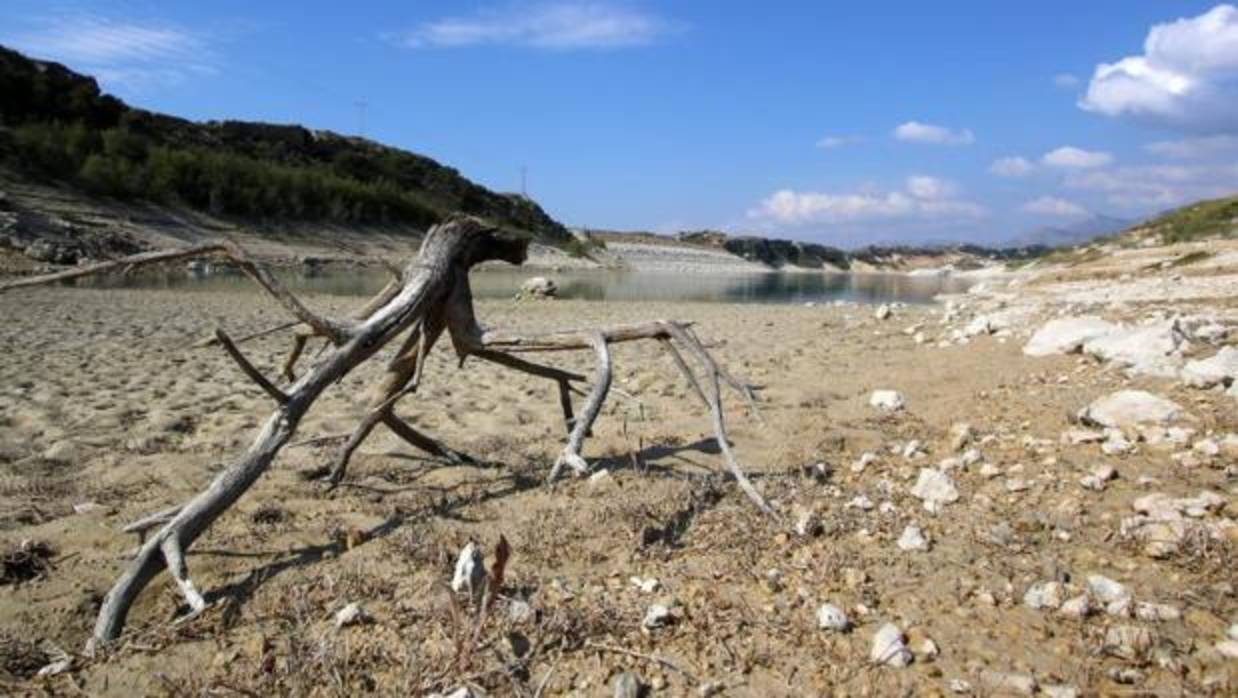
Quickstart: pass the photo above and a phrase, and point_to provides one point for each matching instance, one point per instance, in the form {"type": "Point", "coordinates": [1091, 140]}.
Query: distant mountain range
{"type": "Point", "coordinates": [1074, 233]}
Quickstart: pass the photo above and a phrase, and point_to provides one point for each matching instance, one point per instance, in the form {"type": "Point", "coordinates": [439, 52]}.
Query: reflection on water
{"type": "Point", "coordinates": [769, 287]}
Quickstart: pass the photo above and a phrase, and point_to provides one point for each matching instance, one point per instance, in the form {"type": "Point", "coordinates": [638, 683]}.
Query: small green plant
{"type": "Point", "coordinates": [1192, 258]}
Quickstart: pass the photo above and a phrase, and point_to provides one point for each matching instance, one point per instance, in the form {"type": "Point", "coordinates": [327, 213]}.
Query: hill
{"type": "Point", "coordinates": [57, 126]}
{"type": "Point", "coordinates": [1074, 233]}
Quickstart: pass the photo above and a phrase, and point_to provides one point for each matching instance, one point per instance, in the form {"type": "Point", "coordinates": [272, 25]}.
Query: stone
{"type": "Point", "coordinates": [601, 480]}
{"type": "Point", "coordinates": [913, 540]}
{"type": "Point", "coordinates": [538, 287]}
{"type": "Point", "coordinates": [1156, 612]}
{"type": "Point", "coordinates": [935, 489]}
{"type": "Point", "coordinates": [866, 459]}
{"type": "Point", "coordinates": [1077, 607]}
{"type": "Point", "coordinates": [1131, 408]}
{"type": "Point", "coordinates": [831, 617]}
{"type": "Point", "coordinates": [1150, 349]}
{"type": "Point", "coordinates": [959, 686]}
{"type": "Point", "coordinates": [63, 451]}
{"type": "Point", "coordinates": [627, 685]}
{"type": "Point", "coordinates": [1128, 641]}
{"type": "Point", "coordinates": [889, 647]}
{"type": "Point", "coordinates": [1067, 335]}
{"type": "Point", "coordinates": [647, 585]}
{"type": "Point", "coordinates": [1008, 683]}
{"type": "Point", "coordinates": [1221, 368]}
{"type": "Point", "coordinates": [1228, 648]}
{"type": "Point", "coordinates": [961, 436]}
{"type": "Point", "coordinates": [807, 523]}
{"type": "Point", "coordinates": [883, 312]}
{"type": "Point", "coordinates": [657, 616]}
{"type": "Point", "coordinates": [470, 573]}
{"type": "Point", "coordinates": [887, 400]}
{"type": "Point", "coordinates": [1059, 690]}
{"type": "Point", "coordinates": [519, 611]}
{"type": "Point", "coordinates": [352, 614]}
{"type": "Point", "coordinates": [1115, 597]}
{"type": "Point", "coordinates": [1043, 595]}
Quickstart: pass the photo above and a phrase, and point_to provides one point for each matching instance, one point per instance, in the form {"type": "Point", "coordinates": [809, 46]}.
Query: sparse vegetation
{"type": "Point", "coordinates": [1192, 258]}
{"type": "Point", "coordinates": [1205, 219]}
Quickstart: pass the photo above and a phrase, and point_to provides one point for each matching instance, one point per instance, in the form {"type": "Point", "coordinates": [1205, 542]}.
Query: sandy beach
{"type": "Point", "coordinates": [107, 413]}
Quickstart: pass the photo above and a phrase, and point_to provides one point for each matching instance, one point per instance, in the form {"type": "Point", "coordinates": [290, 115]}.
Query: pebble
{"type": "Point", "coordinates": [1043, 595]}
{"type": "Point", "coordinates": [352, 614]}
{"type": "Point", "coordinates": [866, 459]}
{"type": "Point", "coordinates": [831, 617]}
{"type": "Point", "coordinates": [889, 647]}
{"type": "Point", "coordinates": [913, 540]}
{"type": "Point", "coordinates": [935, 489]}
{"type": "Point", "coordinates": [1007, 683]}
{"type": "Point", "coordinates": [657, 616]}
{"type": "Point", "coordinates": [627, 685]}
{"type": "Point", "coordinates": [887, 400]}
{"type": "Point", "coordinates": [1077, 607]}
{"type": "Point", "coordinates": [1115, 597]}
{"type": "Point", "coordinates": [647, 585]}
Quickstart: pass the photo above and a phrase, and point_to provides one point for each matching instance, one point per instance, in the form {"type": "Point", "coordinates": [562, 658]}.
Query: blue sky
{"type": "Point", "coordinates": [837, 122]}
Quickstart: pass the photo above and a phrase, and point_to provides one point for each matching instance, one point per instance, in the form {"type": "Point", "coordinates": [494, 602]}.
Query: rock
{"type": "Point", "coordinates": [807, 523]}
{"type": "Point", "coordinates": [647, 585]}
{"type": "Point", "coordinates": [1017, 484]}
{"type": "Point", "coordinates": [1206, 447]}
{"type": "Point", "coordinates": [470, 574]}
{"type": "Point", "coordinates": [1221, 368]}
{"type": "Point", "coordinates": [1128, 641]}
{"type": "Point", "coordinates": [913, 540]}
{"type": "Point", "coordinates": [352, 614]}
{"type": "Point", "coordinates": [1074, 437]}
{"type": "Point", "coordinates": [64, 451]}
{"type": "Point", "coordinates": [1131, 408]}
{"type": "Point", "coordinates": [627, 685]}
{"type": "Point", "coordinates": [1228, 648]}
{"type": "Point", "coordinates": [1067, 335]}
{"type": "Point", "coordinates": [959, 686]}
{"type": "Point", "coordinates": [889, 647]}
{"type": "Point", "coordinates": [1059, 691]}
{"type": "Point", "coordinates": [1043, 595]}
{"type": "Point", "coordinates": [601, 480]}
{"type": "Point", "coordinates": [657, 616]}
{"type": "Point", "coordinates": [913, 449]}
{"type": "Point", "coordinates": [1156, 612]}
{"type": "Point", "coordinates": [1008, 683]}
{"type": "Point", "coordinates": [935, 488]}
{"type": "Point", "coordinates": [887, 400]}
{"type": "Point", "coordinates": [961, 435]}
{"type": "Point", "coordinates": [883, 312]}
{"type": "Point", "coordinates": [1151, 349]}
{"type": "Point", "coordinates": [1077, 608]}
{"type": "Point", "coordinates": [866, 459]}
{"type": "Point", "coordinates": [538, 287]}
{"type": "Point", "coordinates": [1114, 596]}
{"type": "Point", "coordinates": [85, 507]}
{"type": "Point", "coordinates": [831, 617]}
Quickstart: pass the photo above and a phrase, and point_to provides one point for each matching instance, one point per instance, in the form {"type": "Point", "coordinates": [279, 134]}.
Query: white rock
{"type": "Point", "coordinates": [889, 647]}
{"type": "Point", "coordinates": [1156, 612]}
{"type": "Point", "coordinates": [866, 459]}
{"type": "Point", "coordinates": [601, 479]}
{"type": "Point", "coordinates": [1075, 437]}
{"type": "Point", "coordinates": [627, 685]}
{"type": "Point", "coordinates": [519, 611]}
{"type": "Point", "coordinates": [1009, 683]}
{"type": "Point", "coordinates": [1115, 597]}
{"type": "Point", "coordinates": [913, 449]}
{"type": "Point", "coordinates": [883, 312]}
{"type": "Point", "coordinates": [831, 617]}
{"type": "Point", "coordinates": [657, 616]}
{"type": "Point", "coordinates": [887, 400]}
{"type": "Point", "coordinates": [1232, 633]}
{"type": "Point", "coordinates": [1228, 648]}
{"type": "Point", "coordinates": [1017, 484]}
{"type": "Point", "coordinates": [1043, 595]}
{"type": "Point", "coordinates": [935, 488]}
{"type": "Point", "coordinates": [1059, 691]}
{"type": "Point", "coordinates": [1078, 607]}
{"type": "Point", "coordinates": [1220, 368]}
{"type": "Point", "coordinates": [959, 686]}
{"type": "Point", "coordinates": [352, 614]}
{"type": "Point", "coordinates": [647, 585]}
{"type": "Point", "coordinates": [860, 502]}
{"type": "Point", "coordinates": [1206, 447]}
{"type": "Point", "coordinates": [1131, 408]}
{"type": "Point", "coordinates": [913, 540]}
{"type": "Point", "coordinates": [1151, 349]}
{"type": "Point", "coordinates": [1067, 335]}
{"type": "Point", "coordinates": [470, 574]}
{"type": "Point", "coordinates": [539, 287]}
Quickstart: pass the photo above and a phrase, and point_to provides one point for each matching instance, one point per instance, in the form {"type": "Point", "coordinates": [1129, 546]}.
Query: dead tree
{"type": "Point", "coordinates": [430, 297]}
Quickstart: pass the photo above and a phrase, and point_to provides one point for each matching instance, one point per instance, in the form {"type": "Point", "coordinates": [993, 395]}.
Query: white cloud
{"type": "Point", "coordinates": [1076, 158]}
{"type": "Point", "coordinates": [567, 24]}
{"type": "Point", "coordinates": [1187, 75]}
{"type": "Point", "coordinates": [1011, 167]}
{"type": "Point", "coordinates": [916, 132]}
{"type": "Point", "coordinates": [1053, 206]}
{"type": "Point", "coordinates": [924, 197]}
{"type": "Point", "coordinates": [924, 187]}
{"type": "Point", "coordinates": [1066, 81]}
{"type": "Point", "coordinates": [832, 142]}
{"type": "Point", "coordinates": [1201, 148]}
{"type": "Point", "coordinates": [1149, 187]}
{"type": "Point", "coordinates": [128, 55]}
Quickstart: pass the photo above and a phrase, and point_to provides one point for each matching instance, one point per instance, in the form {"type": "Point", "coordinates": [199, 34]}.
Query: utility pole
{"type": "Point", "coordinates": [361, 105]}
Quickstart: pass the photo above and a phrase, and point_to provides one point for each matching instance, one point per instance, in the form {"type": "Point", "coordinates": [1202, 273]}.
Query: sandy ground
{"type": "Point", "coordinates": [106, 414]}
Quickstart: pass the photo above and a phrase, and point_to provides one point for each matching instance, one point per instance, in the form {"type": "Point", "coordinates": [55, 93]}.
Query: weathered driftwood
{"type": "Point", "coordinates": [430, 297]}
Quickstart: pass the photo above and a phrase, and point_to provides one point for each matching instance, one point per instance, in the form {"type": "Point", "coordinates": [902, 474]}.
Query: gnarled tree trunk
{"type": "Point", "coordinates": [431, 295]}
